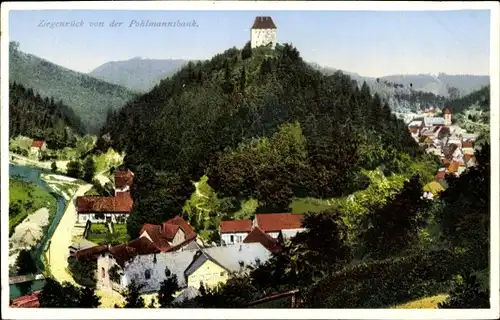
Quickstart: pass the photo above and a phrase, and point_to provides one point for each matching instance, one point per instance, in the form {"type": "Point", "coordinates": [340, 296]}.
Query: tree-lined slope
{"type": "Point", "coordinates": [90, 98]}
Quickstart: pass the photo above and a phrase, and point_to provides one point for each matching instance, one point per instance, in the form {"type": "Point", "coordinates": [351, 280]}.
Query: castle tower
{"type": "Point", "coordinates": [263, 32]}
{"type": "Point", "coordinates": [447, 117]}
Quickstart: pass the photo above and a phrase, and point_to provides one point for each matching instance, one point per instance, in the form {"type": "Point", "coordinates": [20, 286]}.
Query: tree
{"type": "Point", "coordinates": [394, 227]}
{"type": "Point", "coordinates": [133, 297]}
{"type": "Point", "coordinates": [89, 169]}
{"type": "Point", "coordinates": [167, 290]}
{"type": "Point", "coordinates": [65, 295]}
{"type": "Point", "coordinates": [25, 263]}
{"type": "Point", "coordinates": [74, 169]}
{"type": "Point", "coordinates": [247, 51]}
{"type": "Point", "coordinates": [54, 167]}
{"type": "Point", "coordinates": [466, 294]}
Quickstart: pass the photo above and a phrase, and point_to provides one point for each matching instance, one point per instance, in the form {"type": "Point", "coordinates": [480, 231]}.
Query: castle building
{"type": "Point", "coordinates": [263, 32]}
{"type": "Point", "coordinates": [447, 117]}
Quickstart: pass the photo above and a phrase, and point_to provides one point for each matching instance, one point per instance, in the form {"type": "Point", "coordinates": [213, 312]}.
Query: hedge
{"type": "Point", "coordinates": [383, 283]}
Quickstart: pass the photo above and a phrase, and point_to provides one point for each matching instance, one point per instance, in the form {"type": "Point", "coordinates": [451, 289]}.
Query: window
{"type": "Point", "coordinates": [222, 274]}
{"type": "Point", "coordinates": [103, 272]}
{"type": "Point", "coordinates": [232, 238]}
{"type": "Point", "coordinates": [147, 274]}
{"type": "Point", "coordinates": [167, 272]}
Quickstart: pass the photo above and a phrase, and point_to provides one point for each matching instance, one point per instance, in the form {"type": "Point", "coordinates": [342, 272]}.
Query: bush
{"type": "Point", "coordinates": [388, 282]}
{"type": "Point", "coordinates": [83, 271]}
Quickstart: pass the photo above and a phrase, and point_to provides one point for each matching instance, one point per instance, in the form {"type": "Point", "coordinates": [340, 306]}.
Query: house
{"type": "Point", "coordinates": [469, 160]}
{"type": "Point", "coordinates": [467, 147]}
{"type": "Point", "coordinates": [123, 180]}
{"type": "Point", "coordinates": [447, 117]}
{"type": "Point", "coordinates": [148, 267]}
{"type": "Point", "coordinates": [273, 223]}
{"type": "Point", "coordinates": [116, 209]}
{"type": "Point", "coordinates": [259, 236]}
{"type": "Point", "coordinates": [27, 301]}
{"type": "Point", "coordinates": [170, 235]}
{"type": "Point", "coordinates": [469, 136]}
{"type": "Point", "coordinates": [211, 266]}
{"type": "Point", "coordinates": [263, 32]}
{"type": "Point", "coordinates": [37, 146]}
{"type": "Point", "coordinates": [104, 209]}
{"type": "Point", "coordinates": [433, 121]}
{"type": "Point", "coordinates": [234, 231]}
{"type": "Point", "coordinates": [452, 152]}
{"type": "Point", "coordinates": [453, 167]}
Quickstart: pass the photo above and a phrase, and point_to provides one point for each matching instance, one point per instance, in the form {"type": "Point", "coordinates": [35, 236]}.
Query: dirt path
{"type": "Point", "coordinates": [58, 251]}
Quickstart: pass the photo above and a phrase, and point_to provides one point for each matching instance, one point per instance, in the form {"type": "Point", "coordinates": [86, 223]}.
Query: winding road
{"type": "Point", "coordinates": [58, 252]}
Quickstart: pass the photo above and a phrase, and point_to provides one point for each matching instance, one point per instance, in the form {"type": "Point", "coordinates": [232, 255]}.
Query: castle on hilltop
{"type": "Point", "coordinates": [263, 32]}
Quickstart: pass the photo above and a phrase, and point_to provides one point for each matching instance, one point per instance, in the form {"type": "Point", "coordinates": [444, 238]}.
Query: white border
{"type": "Point", "coordinates": [492, 313]}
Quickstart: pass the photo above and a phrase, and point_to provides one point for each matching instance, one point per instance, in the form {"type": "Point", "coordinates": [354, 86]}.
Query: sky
{"type": "Point", "coordinates": [370, 43]}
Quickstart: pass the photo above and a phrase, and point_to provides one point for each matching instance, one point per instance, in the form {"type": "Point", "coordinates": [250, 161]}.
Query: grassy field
{"type": "Point", "coordinates": [26, 198]}
{"type": "Point", "coordinates": [304, 205]}
{"type": "Point", "coordinates": [99, 233]}
{"type": "Point", "coordinates": [424, 303]}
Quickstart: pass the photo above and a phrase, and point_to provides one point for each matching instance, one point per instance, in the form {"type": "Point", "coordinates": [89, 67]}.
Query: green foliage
{"type": "Point", "coordinates": [24, 199]}
{"type": "Point", "coordinates": [397, 280]}
{"type": "Point", "coordinates": [53, 167]}
{"type": "Point", "coordinates": [465, 218]}
{"type": "Point", "coordinates": [480, 97]}
{"type": "Point", "coordinates": [247, 51]}
{"type": "Point", "coordinates": [25, 263]}
{"type": "Point", "coordinates": [167, 290]}
{"type": "Point", "coordinates": [42, 118]}
{"type": "Point", "coordinates": [89, 169]}
{"type": "Point", "coordinates": [65, 295]}
{"type": "Point", "coordinates": [74, 169]}
{"type": "Point", "coordinates": [87, 97]}
{"type": "Point", "coordinates": [466, 294]}
{"type": "Point", "coordinates": [114, 274]}
{"type": "Point", "coordinates": [133, 297]}
{"type": "Point", "coordinates": [83, 271]}
{"type": "Point", "coordinates": [394, 227]}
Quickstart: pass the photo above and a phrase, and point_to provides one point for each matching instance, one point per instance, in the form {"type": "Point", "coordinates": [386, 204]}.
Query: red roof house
{"type": "Point", "coordinates": [235, 226]}
{"type": "Point", "coordinates": [467, 144]}
{"type": "Point", "coordinates": [39, 144]}
{"type": "Point", "coordinates": [123, 178]}
{"type": "Point", "coordinates": [121, 203]}
{"type": "Point", "coordinates": [275, 222]}
{"type": "Point", "coordinates": [440, 175]}
{"type": "Point", "coordinates": [170, 235]}
{"type": "Point", "coordinates": [28, 301]}
{"type": "Point", "coordinates": [257, 235]}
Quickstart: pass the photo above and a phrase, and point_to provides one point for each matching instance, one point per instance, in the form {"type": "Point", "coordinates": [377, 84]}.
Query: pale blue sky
{"type": "Point", "coordinates": [370, 43]}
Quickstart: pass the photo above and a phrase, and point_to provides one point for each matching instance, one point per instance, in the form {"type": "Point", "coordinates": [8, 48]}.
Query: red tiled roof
{"type": "Point", "coordinates": [37, 143]}
{"type": "Point", "coordinates": [122, 203]}
{"type": "Point", "coordinates": [28, 301]}
{"type": "Point", "coordinates": [447, 111]}
{"type": "Point", "coordinates": [263, 23]}
{"type": "Point", "coordinates": [235, 226]}
{"type": "Point", "coordinates": [91, 253]}
{"type": "Point", "coordinates": [123, 178]}
{"type": "Point", "coordinates": [467, 144]}
{"type": "Point", "coordinates": [278, 221]}
{"type": "Point", "coordinates": [126, 251]}
{"type": "Point", "coordinates": [161, 234]}
{"type": "Point", "coordinates": [257, 235]}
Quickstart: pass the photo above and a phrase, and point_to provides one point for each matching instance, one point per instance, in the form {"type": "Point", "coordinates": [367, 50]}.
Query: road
{"type": "Point", "coordinates": [58, 251]}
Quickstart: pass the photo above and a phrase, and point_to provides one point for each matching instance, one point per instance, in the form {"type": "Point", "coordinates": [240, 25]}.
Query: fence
{"type": "Point", "coordinates": [289, 299]}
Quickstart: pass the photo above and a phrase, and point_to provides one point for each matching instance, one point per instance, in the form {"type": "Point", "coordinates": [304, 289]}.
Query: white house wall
{"type": "Point", "coordinates": [238, 237]}
{"type": "Point", "coordinates": [83, 217]}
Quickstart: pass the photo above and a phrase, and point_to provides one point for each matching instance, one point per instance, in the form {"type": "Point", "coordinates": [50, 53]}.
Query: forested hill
{"type": "Point", "coordinates": [261, 124]}
{"type": "Point", "coordinates": [480, 98]}
{"type": "Point", "coordinates": [42, 118]}
{"type": "Point", "coordinates": [88, 97]}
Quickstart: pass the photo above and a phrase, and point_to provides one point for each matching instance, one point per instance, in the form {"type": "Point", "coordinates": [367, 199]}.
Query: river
{"type": "Point", "coordinates": [33, 175]}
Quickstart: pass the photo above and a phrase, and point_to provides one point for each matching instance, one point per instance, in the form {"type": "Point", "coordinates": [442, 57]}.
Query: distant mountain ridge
{"type": "Point", "coordinates": [139, 74]}
{"type": "Point", "coordinates": [90, 98]}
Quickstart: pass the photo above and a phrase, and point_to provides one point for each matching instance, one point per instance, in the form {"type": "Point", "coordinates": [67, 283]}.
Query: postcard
{"type": "Point", "coordinates": [250, 160]}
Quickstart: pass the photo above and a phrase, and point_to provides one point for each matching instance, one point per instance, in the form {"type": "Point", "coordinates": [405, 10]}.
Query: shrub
{"type": "Point", "coordinates": [388, 282]}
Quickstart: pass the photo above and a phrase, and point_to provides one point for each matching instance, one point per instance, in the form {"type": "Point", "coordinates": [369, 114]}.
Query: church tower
{"type": "Point", "coordinates": [263, 32]}
{"type": "Point", "coordinates": [447, 117]}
